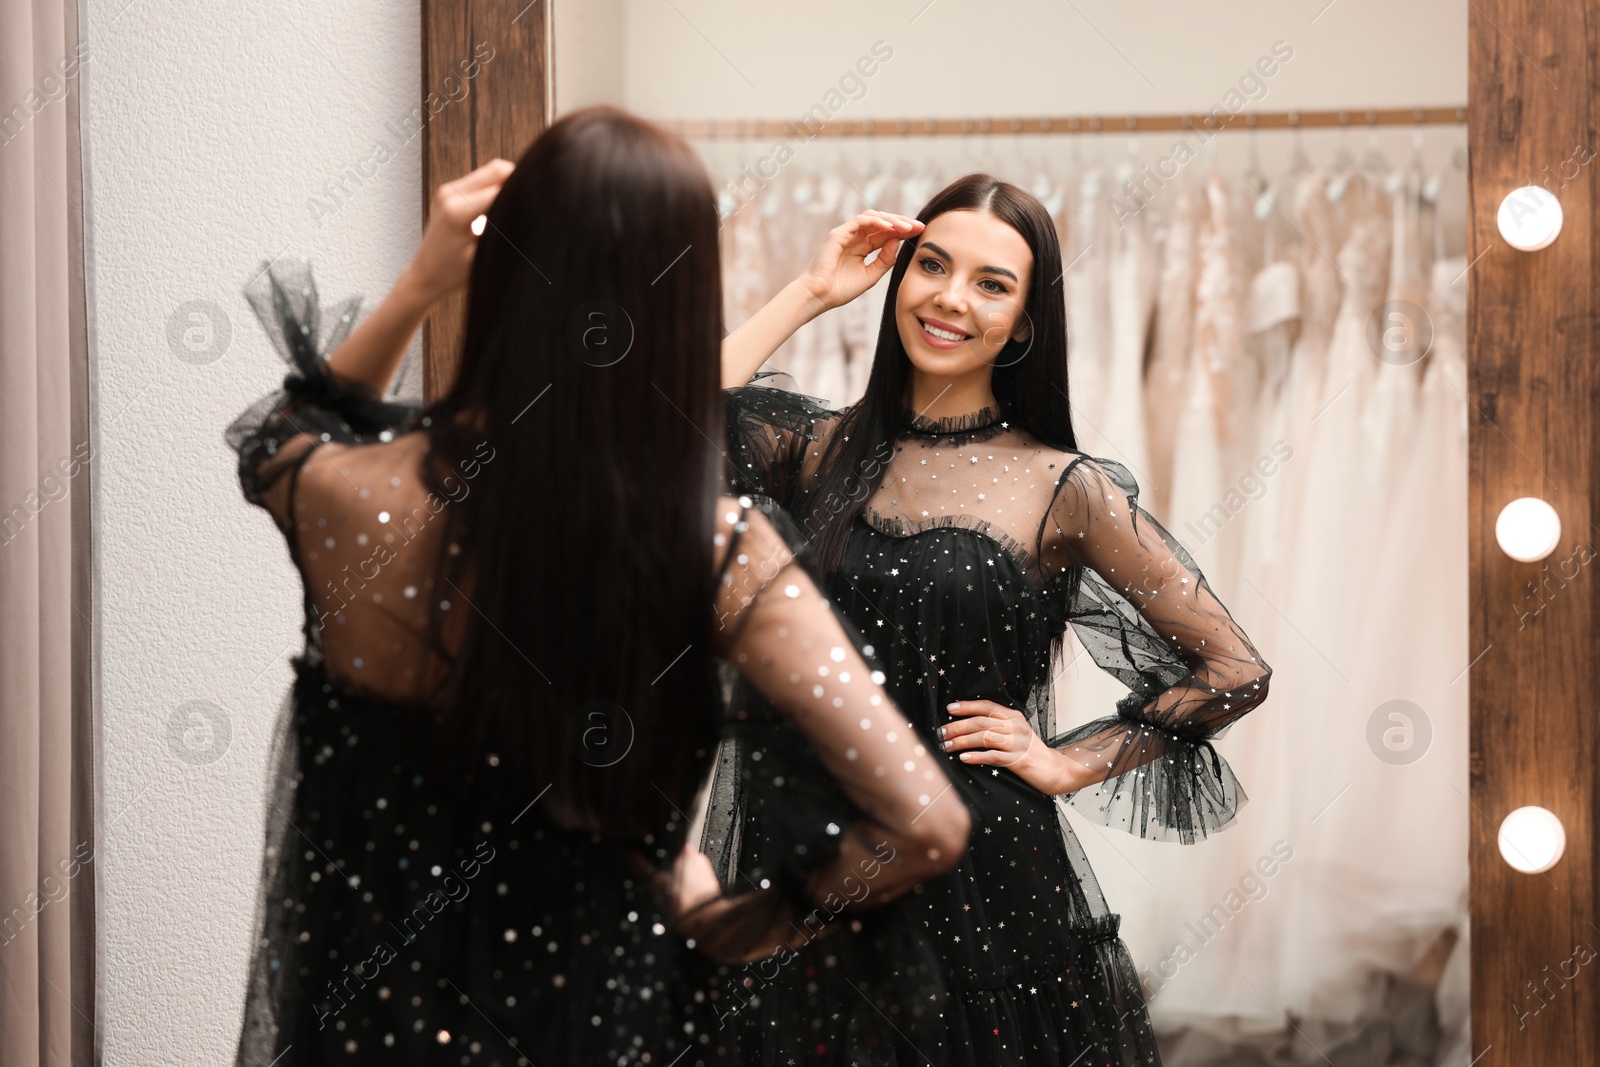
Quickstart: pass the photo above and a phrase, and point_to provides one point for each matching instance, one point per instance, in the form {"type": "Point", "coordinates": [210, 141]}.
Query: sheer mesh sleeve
{"type": "Point", "coordinates": [824, 804]}
{"type": "Point", "coordinates": [1145, 613]}
{"type": "Point", "coordinates": [274, 437]}
{"type": "Point", "coordinates": [873, 814]}
{"type": "Point", "coordinates": [771, 431]}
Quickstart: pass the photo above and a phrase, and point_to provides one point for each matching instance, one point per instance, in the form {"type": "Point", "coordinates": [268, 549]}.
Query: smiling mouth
{"type": "Point", "coordinates": [941, 334]}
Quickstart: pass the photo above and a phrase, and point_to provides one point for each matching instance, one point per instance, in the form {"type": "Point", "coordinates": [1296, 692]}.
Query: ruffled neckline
{"type": "Point", "coordinates": [973, 425]}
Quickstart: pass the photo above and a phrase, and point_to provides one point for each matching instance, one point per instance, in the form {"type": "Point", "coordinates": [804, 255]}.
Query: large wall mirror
{"type": "Point", "coordinates": [1262, 213]}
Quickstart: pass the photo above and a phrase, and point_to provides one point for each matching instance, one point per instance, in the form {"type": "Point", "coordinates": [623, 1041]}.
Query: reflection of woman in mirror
{"type": "Point", "coordinates": [961, 529]}
{"type": "Point", "coordinates": [476, 846]}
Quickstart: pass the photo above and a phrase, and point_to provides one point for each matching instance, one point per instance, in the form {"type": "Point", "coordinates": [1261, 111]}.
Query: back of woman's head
{"type": "Point", "coordinates": [588, 391]}
{"type": "Point", "coordinates": [1029, 376]}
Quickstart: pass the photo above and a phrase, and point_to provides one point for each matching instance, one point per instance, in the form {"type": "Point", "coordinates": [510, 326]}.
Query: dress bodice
{"type": "Point", "coordinates": [976, 524]}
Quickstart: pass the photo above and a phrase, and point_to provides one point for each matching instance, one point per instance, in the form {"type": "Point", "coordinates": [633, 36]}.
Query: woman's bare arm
{"type": "Point", "coordinates": [442, 264]}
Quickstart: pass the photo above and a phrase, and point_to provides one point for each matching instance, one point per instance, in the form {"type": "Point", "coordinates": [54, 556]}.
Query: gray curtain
{"type": "Point", "coordinates": [47, 466]}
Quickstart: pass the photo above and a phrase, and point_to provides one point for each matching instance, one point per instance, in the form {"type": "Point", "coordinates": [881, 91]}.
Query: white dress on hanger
{"type": "Point", "coordinates": [1245, 376]}
{"type": "Point", "coordinates": [1441, 431]}
{"type": "Point", "coordinates": [820, 357]}
{"type": "Point", "coordinates": [1224, 958]}
{"type": "Point", "coordinates": [1326, 936]}
{"type": "Point", "coordinates": [1086, 257]}
{"type": "Point", "coordinates": [1197, 506]}
{"type": "Point", "coordinates": [1412, 646]}
{"type": "Point", "coordinates": [1269, 540]}
{"type": "Point", "coordinates": [1131, 290]}
{"type": "Point", "coordinates": [1167, 377]}
{"type": "Point", "coordinates": [1081, 686]}
{"type": "Point", "coordinates": [1400, 337]}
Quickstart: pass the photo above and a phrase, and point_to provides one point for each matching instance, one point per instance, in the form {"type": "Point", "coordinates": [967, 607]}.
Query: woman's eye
{"type": "Point", "coordinates": [998, 290]}
{"type": "Point", "coordinates": [931, 265]}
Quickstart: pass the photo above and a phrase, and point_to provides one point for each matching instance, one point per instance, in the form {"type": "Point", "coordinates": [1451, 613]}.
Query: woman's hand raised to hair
{"type": "Point", "coordinates": [839, 272]}
{"type": "Point", "coordinates": [443, 262]}
{"type": "Point", "coordinates": [837, 275]}
{"type": "Point", "coordinates": [442, 265]}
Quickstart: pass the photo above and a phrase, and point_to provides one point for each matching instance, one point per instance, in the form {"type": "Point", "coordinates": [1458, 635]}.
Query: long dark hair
{"type": "Point", "coordinates": [589, 367]}
{"type": "Point", "coordinates": [1030, 377]}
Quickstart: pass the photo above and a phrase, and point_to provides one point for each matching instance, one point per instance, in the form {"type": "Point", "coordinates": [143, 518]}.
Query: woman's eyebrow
{"type": "Point", "coordinates": [930, 246]}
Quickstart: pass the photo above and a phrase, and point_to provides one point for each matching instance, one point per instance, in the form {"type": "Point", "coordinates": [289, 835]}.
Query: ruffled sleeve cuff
{"type": "Point", "coordinates": [1176, 787]}
{"type": "Point", "coordinates": [313, 404]}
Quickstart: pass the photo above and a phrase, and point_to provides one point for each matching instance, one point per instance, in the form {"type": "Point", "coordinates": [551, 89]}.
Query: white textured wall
{"type": "Point", "coordinates": [213, 128]}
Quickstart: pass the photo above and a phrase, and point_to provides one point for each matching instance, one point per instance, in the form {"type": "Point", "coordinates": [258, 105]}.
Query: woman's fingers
{"type": "Point", "coordinates": [494, 172]}
{"type": "Point", "coordinates": [900, 221]}
{"type": "Point", "coordinates": [984, 732]}
{"type": "Point", "coordinates": [443, 261]}
{"type": "Point", "coordinates": [972, 724]}
{"type": "Point", "coordinates": [469, 196]}
{"type": "Point", "coordinates": [466, 203]}
{"type": "Point", "coordinates": [874, 228]}
{"type": "Point", "coordinates": [981, 707]}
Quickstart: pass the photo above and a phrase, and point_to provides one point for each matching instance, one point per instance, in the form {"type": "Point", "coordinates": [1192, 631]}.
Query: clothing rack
{"type": "Point", "coordinates": [1214, 121]}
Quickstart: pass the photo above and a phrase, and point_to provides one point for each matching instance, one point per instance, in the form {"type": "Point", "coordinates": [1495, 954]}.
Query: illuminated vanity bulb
{"type": "Point", "coordinates": [1530, 218]}
{"type": "Point", "coordinates": [1528, 529]}
{"type": "Point", "coordinates": [1532, 839]}
{"type": "Point", "coordinates": [483, 220]}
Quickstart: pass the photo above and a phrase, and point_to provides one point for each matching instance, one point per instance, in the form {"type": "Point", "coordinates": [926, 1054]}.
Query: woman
{"type": "Point", "coordinates": [960, 527]}
{"type": "Point", "coordinates": [516, 609]}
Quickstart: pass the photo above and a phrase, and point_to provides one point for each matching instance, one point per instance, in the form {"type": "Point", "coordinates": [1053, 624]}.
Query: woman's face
{"type": "Point", "coordinates": [963, 295]}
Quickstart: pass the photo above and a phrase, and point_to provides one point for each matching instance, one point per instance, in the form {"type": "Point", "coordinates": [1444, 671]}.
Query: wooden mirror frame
{"type": "Point", "coordinates": [1532, 328]}
{"type": "Point", "coordinates": [512, 102]}
{"type": "Point", "coordinates": [1532, 332]}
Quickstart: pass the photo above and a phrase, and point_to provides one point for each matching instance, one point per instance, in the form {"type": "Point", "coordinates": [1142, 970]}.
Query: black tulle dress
{"type": "Point", "coordinates": [979, 548]}
{"type": "Point", "coordinates": [417, 908]}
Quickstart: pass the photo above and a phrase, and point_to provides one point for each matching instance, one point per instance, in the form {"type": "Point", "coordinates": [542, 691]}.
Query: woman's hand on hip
{"type": "Point", "coordinates": [984, 732]}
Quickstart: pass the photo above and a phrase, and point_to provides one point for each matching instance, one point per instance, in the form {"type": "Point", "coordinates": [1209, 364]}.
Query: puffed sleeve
{"type": "Point", "coordinates": [771, 429]}
{"type": "Point", "coordinates": [277, 434]}
{"type": "Point", "coordinates": [1146, 614]}
{"type": "Point", "coordinates": [825, 804]}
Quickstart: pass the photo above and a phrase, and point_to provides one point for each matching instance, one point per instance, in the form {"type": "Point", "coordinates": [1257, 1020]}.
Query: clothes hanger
{"type": "Point", "coordinates": [1299, 164]}
{"type": "Point", "coordinates": [875, 174]}
{"type": "Point", "coordinates": [1343, 165]}
{"type": "Point", "coordinates": [1253, 175]}
{"type": "Point", "coordinates": [1128, 167]}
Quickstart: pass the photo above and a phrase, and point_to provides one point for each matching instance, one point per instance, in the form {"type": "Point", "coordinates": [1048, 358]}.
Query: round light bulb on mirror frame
{"type": "Point", "coordinates": [1529, 218]}
{"type": "Point", "coordinates": [1528, 529]}
{"type": "Point", "coordinates": [1532, 839]}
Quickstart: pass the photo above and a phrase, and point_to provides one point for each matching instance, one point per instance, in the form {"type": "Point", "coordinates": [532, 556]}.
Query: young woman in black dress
{"type": "Point", "coordinates": [962, 530]}
{"type": "Point", "coordinates": [523, 604]}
